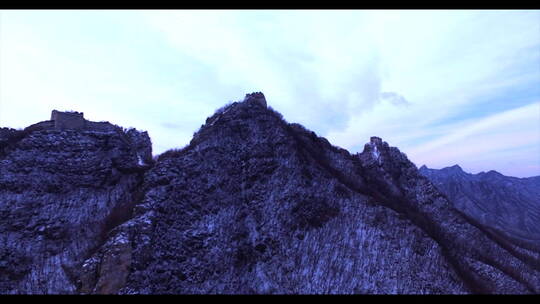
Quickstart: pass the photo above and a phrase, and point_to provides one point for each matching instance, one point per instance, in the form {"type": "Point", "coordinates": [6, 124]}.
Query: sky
{"type": "Point", "coordinates": [445, 87]}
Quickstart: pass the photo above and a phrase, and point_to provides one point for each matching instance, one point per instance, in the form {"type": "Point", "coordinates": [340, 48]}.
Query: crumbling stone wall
{"type": "Point", "coordinates": [68, 120]}
{"type": "Point", "coordinates": [75, 121]}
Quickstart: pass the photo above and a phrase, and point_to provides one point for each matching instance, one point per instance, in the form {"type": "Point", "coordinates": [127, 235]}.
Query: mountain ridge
{"type": "Point", "coordinates": [458, 168]}
{"type": "Point", "coordinates": [493, 198]}
{"type": "Point", "coordinates": [254, 204]}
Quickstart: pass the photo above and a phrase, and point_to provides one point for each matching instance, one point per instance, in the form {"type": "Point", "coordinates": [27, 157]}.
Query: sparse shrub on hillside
{"type": "Point", "coordinates": [168, 154]}
{"type": "Point", "coordinates": [11, 137]}
{"type": "Point", "coordinates": [223, 108]}
{"type": "Point", "coordinates": [172, 153]}
{"type": "Point", "coordinates": [277, 114]}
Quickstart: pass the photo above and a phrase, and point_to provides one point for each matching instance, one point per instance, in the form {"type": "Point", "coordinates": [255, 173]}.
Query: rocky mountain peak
{"type": "Point", "coordinates": [455, 168]}
{"type": "Point", "coordinates": [376, 149]}
{"type": "Point", "coordinates": [491, 174]}
{"type": "Point", "coordinates": [452, 172]}
{"type": "Point", "coordinates": [376, 140]}
{"type": "Point", "coordinates": [383, 159]}
{"type": "Point", "coordinates": [252, 205]}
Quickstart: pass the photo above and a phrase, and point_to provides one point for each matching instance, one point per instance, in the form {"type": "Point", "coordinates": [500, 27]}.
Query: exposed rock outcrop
{"type": "Point", "coordinates": [61, 191]}
{"type": "Point", "coordinates": [256, 205]}
{"type": "Point", "coordinates": [252, 205]}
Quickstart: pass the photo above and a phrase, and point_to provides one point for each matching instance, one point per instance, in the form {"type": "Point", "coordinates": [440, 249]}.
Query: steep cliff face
{"type": "Point", "coordinates": [60, 193]}
{"type": "Point", "coordinates": [256, 205]}
{"type": "Point", "coordinates": [509, 204]}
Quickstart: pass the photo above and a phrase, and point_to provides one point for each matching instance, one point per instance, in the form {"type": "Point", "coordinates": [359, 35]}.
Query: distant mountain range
{"type": "Point", "coordinates": [252, 205]}
{"type": "Point", "coordinates": [509, 204]}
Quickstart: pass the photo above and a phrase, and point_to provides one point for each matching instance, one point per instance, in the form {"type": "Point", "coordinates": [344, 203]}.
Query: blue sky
{"type": "Point", "coordinates": [445, 87]}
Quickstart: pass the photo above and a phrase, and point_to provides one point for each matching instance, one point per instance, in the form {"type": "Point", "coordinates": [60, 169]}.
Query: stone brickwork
{"type": "Point", "coordinates": [75, 121]}
{"type": "Point", "coordinates": [68, 120]}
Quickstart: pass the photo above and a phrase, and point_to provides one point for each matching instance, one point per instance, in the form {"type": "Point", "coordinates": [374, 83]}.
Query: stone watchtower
{"type": "Point", "coordinates": [68, 120]}
{"type": "Point", "coordinates": [256, 98]}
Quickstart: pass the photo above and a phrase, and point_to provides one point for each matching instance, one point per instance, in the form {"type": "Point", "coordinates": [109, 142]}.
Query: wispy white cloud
{"type": "Point", "coordinates": [419, 79]}
{"type": "Point", "coordinates": [492, 139]}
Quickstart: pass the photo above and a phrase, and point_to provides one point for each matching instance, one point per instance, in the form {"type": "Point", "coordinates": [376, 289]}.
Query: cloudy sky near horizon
{"type": "Point", "coordinates": [446, 87]}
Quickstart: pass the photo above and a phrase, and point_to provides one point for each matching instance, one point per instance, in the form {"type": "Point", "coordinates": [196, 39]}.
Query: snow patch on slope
{"type": "Point", "coordinates": [140, 162]}
{"type": "Point", "coordinates": [375, 153]}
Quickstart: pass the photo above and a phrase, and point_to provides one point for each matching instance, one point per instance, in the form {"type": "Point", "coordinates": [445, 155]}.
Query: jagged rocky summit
{"type": "Point", "coordinates": [252, 205]}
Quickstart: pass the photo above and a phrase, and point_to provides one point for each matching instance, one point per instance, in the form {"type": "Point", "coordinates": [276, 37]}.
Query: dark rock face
{"type": "Point", "coordinates": [60, 192]}
{"type": "Point", "coordinates": [248, 208]}
{"type": "Point", "coordinates": [256, 205]}
{"type": "Point", "coordinates": [252, 205]}
{"type": "Point", "coordinates": [493, 199]}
